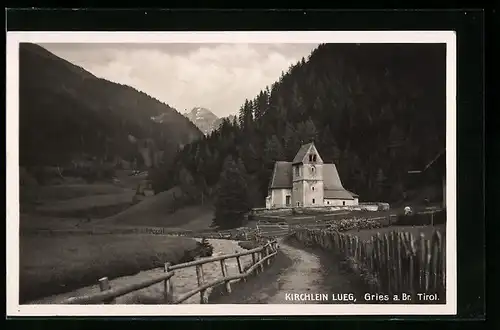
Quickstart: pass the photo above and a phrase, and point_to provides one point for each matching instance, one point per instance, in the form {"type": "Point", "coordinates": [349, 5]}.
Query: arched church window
{"type": "Point", "coordinates": [314, 158]}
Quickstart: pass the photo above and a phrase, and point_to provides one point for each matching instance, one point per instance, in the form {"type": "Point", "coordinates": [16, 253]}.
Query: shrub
{"type": "Point", "coordinates": [248, 245]}
{"type": "Point", "coordinates": [205, 248]}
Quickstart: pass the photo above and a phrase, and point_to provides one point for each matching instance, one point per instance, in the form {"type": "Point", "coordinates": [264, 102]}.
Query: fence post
{"type": "Point", "coordinates": [201, 281]}
{"type": "Point", "coordinates": [254, 257]}
{"type": "Point", "coordinates": [261, 256]}
{"type": "Point", "coordinates": [104, 286]}
{"type": "Point", "coordinates": [421, 261]}
{"type": "Point", "coordinates": [223, 267]}
{"type": "Point", "coordinates": [413, 258]}
{"type": "Point", "coordinates": [268, 252]}
{"type": "Point", "coordinates": [399, 261]}
{"type": "Point", "coordinates": [427, 265]}
{"type": "Point", "coordinates": [240, 267]}
{"type": "Point", "coordinates": [168, 286]}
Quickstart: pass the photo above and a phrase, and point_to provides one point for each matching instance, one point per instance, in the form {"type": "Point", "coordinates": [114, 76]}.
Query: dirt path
{"type": "Point", "coordinates": [184, 280]}
{"type": "Point", "coordinates": [304, 276]}
{"type": "Point", "coordinates": [297, 270]}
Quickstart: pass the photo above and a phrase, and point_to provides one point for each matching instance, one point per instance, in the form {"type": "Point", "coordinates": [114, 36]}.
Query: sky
{"type": "Point", "coordinates": [218, 77]}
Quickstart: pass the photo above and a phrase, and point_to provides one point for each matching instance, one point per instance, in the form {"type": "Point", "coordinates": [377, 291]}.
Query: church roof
{"type": "Point", "coordinates": [282, 179]}
{"type": "Point", "coordinates": [337, 194]}
{"type": "Point", "coordinates": [282, 176]}
{"type": "Point", "coordinates": [302, 153]}
{"type": "Point", "coordinates": [331, 179]}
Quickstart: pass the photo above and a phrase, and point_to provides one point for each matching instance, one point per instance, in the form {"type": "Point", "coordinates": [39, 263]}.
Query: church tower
{"type": "Point", "coordinates": [307, 177]}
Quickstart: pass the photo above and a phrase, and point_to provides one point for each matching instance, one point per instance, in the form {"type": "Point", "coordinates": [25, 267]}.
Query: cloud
{"type": "Point", "coordinates": [216, 76]}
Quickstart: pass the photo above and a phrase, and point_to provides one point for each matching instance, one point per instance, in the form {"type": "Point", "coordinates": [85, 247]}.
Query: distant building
{"type": "Point", "coordinates": [307, 182]}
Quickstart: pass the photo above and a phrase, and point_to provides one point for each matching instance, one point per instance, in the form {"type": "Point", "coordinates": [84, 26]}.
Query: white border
{"type": "Point", "coordinates": [12, 143]}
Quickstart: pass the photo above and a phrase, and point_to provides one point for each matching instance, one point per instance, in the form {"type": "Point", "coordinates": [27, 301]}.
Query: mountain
{"type": "Point", "coordinates": [375, 110]}
{"type": "Point", "coordinates": [203, 118]}
{"type": "Point", "coordinates": [206, 120]}
{"type": "Point", "coordinates": [67, 113]}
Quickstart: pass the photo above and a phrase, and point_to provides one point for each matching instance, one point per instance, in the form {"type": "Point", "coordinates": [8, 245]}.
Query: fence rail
{"type": "Point", "coordinates": [261, 257]}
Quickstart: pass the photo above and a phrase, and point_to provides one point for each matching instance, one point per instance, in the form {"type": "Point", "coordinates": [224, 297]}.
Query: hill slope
{"type": "Point", "coordinates": [66, 113]}
{"type": "Point", "coordinates": [156, 211]}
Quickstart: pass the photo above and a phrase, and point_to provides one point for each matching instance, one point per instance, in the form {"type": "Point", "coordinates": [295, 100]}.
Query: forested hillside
{"type": "Point", "coordinates": [66, 113]}
{"type": "Point", "coordinates": [375, 110]}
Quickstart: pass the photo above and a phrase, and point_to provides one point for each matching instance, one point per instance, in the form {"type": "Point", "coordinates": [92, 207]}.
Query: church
{"type": "Point", "coordinates": [307, 182]}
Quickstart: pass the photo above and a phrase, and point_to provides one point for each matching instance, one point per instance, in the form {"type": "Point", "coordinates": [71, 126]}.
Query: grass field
{"type": "Point", "coordinates": [46, 207]}
{"type": "Point", "coordinates": [75, 200]}
{"type": "Point", "coordinates": [87, 202]}
{"type": "Point", "coordinates": [155, 211]}
{"type": "Point", "coordinates": [52, 265]}
{"type": "Point", "coordinates": [44, 194]}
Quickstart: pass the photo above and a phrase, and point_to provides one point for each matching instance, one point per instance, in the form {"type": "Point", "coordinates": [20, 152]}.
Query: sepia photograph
{"type": "Point", "coordinates": [221, 172]}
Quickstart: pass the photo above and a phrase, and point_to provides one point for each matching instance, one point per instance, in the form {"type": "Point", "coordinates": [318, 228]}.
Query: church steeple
{"type": "Point", "coordinates": [307, 177]}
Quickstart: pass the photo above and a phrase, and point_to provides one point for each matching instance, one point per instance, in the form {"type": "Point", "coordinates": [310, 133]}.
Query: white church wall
{"type": "Point", "coordinates": [278, 197]}
{"type": "Point", "coordinates": [313, 172]}
{"type": "Point", "coordinates": [298, 194]}
{"type": "Point", "coordinates": [340, 202]}
{"type": "Point", "coordinates": [313, 193]}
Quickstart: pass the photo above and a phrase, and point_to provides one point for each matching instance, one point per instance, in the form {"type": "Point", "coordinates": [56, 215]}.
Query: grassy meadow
{"type": "Point", "coordinates": [52, 265]}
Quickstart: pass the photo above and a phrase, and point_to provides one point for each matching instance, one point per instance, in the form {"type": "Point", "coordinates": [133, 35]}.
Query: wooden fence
{"type": "Point", "coordinates": [393, 263]}
{"type": "Point", "coordinates": [261, 257]}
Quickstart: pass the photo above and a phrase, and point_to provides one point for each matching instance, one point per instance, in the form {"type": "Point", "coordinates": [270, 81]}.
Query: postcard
{"type": "Point", "coordinates": [231, 173]}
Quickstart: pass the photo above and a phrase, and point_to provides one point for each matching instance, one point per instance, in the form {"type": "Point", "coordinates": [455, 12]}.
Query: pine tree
{"type": "Point", "coordinates": [328, 147]}
{"type": "Point", "coordinates": [232, 201]}
{"type": "Point", "coordinates": [298, 104]}
{"type": "Point", "coordinates": [307, 132]}
{"type": "Point", "coordinates": [380, 182]}
{"type": "Point", "coordinates": [260, 105]}
{"type": "Point", "coordinates": [273, 151]}
{"type": "Point", "coordinates": [292, 141]}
